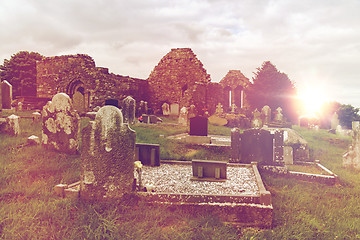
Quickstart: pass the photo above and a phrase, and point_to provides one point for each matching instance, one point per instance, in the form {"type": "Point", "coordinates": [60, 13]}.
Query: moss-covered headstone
{"type": "Point", "coordinates": [107, 156]}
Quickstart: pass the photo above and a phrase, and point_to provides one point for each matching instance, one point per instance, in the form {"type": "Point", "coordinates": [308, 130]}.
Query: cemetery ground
{"type": "Point", "coordinates": [29, 209]}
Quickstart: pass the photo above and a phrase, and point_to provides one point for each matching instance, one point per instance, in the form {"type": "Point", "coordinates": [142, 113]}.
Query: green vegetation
{"type": "Point", "coordinates": [30, 210]}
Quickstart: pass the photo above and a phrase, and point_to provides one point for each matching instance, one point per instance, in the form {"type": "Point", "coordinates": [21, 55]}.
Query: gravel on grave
{"type": "Point", "coordinates": [173, 178]}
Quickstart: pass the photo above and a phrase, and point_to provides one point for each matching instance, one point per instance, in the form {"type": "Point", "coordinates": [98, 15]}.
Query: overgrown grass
{"type": "Point", "coordinates": [302, 210]}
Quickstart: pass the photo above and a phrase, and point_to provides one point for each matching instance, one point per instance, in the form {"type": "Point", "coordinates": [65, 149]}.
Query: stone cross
{"type": "Point", "coordinates": [233, 108]}
{"type": "Point", "coordinates": [60, 124]}
{"type": "Point", "coordinates": [107, 156]}
{"type": "Point", "coordinates": [219, 109]}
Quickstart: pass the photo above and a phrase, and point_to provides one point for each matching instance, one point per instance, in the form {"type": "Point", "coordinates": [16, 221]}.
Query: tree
{"type": "Point", "coordinates": [20, 72]}
{"type": "Point", "coordinates": [273, 88]}
{"type": "Point", "coordinates": [347, 114]}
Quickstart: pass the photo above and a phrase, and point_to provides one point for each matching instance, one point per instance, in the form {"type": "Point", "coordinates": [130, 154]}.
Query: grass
{"type": "Point", "coordinates": [302, 210]}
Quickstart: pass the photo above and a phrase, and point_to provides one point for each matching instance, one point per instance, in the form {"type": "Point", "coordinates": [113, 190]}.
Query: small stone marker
{"type": "Point", "coordinates": [13, 125]}
{"type": "Point", "coordinates": [107, 156]}
{"type": "Point", "coordinates": [33, 140]}
{"type": "Point", "coordinates": [60, 124]}
{"type": "Point", "coordinates": [165, 109]}
{"type": "Point", "coordinates": [233, 108]}
{"type": "Point", "coordinates": [205, 170]}
{"type": "Point", "coordinates": [174, 109]}
{"type": "Point", "coordinates": [183, 117]}
{"type": "Point", "coordinates": [128, 110]}
{"type": "Point", "coordinates": [198, 126]}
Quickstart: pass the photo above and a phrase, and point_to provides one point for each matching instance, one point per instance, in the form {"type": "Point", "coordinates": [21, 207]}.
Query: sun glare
{"type": "Point", "coordinates": [312, 99]}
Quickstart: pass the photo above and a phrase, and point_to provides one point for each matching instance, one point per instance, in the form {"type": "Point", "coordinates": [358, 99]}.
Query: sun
{"type": "Point", "coordinates": [312, 99]}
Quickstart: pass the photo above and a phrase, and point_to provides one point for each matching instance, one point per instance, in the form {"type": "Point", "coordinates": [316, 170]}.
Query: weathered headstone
{"type": "Point", "coordinates": [174, 109]}
{"type": "Point", "coordinates": [128, 110]}
{"type": "Point", "coordinates": [60, 124]}
{"type": "Point", "coordinates": [209, 170]}
{"type": "Point", "coordinates": [288, 155]}
{"type": "Point", "coordinates": [198, 126]}
{"type": "Point", "coordinates": [79, 103]}
{"type": "Point", "coordinates": [6, 94]}
{"type": "Point", "coordinates": [142, 109]}
{"type": "Point", "coordinates": [183, 116]}
{"type": "Point", "coordinates": [235, 145]}
{"type": "Point", "coordinates": [335, 121]}
{"type": "Point", "coordinates": [266, 112]}
{"type": "Point", "coordinates": [107, 156]}
{"type": "Point", "coordinates": [165, 109]}
{"type": "Point", "coordinates": [13, 125]}
{"type": "Point", "coordinates": [278, 115]}
{"type": "Point", "coordinates": [256, 121]}
{"type": "Point", "coordinates": [192, 111]}
{"type": "Point", "coordinates": [36, 116]}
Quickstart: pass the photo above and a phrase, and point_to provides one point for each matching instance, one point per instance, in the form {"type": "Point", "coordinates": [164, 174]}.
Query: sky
{"type": "Point", "coordinates": [316, 43]}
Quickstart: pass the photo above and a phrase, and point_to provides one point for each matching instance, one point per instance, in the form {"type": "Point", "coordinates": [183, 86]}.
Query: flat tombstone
{"type": "Point", "coordinates": [112, 102]}
{"type": "Point", "coordinates": [60, 124]}
{"type": "Point", "coordinates": [183, 117]}
{"type": "Point", "coordinates": [107, 156]}
{"type": "Point", "coordinates": [165, 109]}
{"type": "Point", "coordinates": [128, 110]}
{"type": "Point", "coordinates": [198, 126]}
{"type": "Point", "coordinates": [174, 109]}
{"type": "Point", "coordinates": [6, 94]}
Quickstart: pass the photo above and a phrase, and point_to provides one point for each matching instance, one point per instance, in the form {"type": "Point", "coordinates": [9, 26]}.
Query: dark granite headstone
{"type": "Point", "coordinates": [198, 126]}
{"type": "Point", "coordinates": [148, 154]}
{"type": "Point", "coordinates": [112, 102]}
{"type": "Point", "coordinates": [257, 146]}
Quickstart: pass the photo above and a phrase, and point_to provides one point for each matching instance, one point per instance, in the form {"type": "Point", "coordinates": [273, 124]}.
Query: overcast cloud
{"type": "Point", "coordinates": [313, 42]}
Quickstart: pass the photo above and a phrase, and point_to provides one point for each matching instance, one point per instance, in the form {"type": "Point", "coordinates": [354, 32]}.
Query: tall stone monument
{"type": "Point", "coordinates": [107, 156]}
{"type": "Point", "coordinates": [6, 94]}
{"type": "Point", "coordinates": [60, 124]}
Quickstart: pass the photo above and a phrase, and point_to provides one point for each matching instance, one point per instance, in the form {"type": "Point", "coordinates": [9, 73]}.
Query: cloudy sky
{"type": "Point", "coordinates": [316, 43]}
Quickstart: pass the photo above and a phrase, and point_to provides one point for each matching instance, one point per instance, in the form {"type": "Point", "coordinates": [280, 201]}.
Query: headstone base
{"type": "Point", "coordinates": [198, 139]}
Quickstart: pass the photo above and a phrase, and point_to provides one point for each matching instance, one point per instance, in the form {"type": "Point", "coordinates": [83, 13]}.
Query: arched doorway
{"type": "Point", "coordinates": [76, 90]}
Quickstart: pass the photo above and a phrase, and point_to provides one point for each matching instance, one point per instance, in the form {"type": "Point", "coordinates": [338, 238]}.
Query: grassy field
{"type": "Point", "coordinates": [302, 210]}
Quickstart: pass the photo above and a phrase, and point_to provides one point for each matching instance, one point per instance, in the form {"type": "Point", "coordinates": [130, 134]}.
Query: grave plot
{"type": "Point", "coordinates": [240, 198]}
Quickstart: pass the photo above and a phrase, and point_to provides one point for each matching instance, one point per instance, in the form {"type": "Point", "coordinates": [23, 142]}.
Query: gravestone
{"type": "Point", "coordinates": [192, 111]}
{"type": "Point", "coordinates": [198, 126]}
{"type": "Point", "coordinates": [278, 115]}
{"type": "Point", "coordinates": [128, 110]}
{"type": "Point", "coordinates": [6, 94]}
{"type": "Point", "coordinates": [165, 109]}
{"type": "Point", "coordinates": [288, 155]}
{"type": "Point", "coordinates": [257, 122]}
{"type": "Point", "coordinates": [148, 154]}
{"type": "Point", "coordinates": [183, 116]}
{"type": "Point", "coordinates": [266, 112]}
{"type": "Point", "coordinates": [78, 102]}
{"type": "Point", "coordinates": [174, 109]}
{"type": "Point", "coordinates": [112, 102]}
{"type": "Point", "coordinates": [233, 108]}
{"type": "Point", "coordinates": [13, 125]}
{"type": "Point", "coordinates": [257, 145]}
{"type": "Point", "coordinates": [219, 109]}
{"type": "Point", "coordinates": [205, 170]}
{"type": "Point", "coordinates": [60, 124]}
{"type": "Point", "coordinates": [334, 121]}
{"type": "Point", "coordinates": [20, 106]}
{"type": "Point", "coordinates": [36, 117]}
{"type": "Point", "coordinates": [107, 156]}
{"type": "Point", "coordinates": [142, 108]}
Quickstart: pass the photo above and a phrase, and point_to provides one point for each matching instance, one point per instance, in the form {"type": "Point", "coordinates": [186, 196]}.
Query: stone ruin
{"type": "Point", "coordinates": [107, 156]}
{"type": "Point", "coordinates": [60, 124]}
